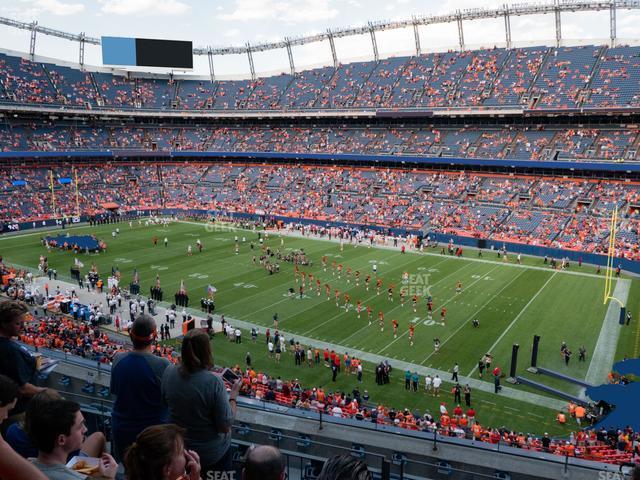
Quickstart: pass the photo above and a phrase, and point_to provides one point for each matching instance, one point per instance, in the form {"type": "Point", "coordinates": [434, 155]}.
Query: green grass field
{"type": "Point", "coordinates": [512, 303]}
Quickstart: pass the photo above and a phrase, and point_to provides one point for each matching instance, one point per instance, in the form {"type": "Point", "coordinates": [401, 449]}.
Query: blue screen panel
{"type": "Point", "coordinates": [19, 183]}
{"type": "Point", "coordinates": [118, 51]}
{"type": "Point", "coordinates": [64, 180]}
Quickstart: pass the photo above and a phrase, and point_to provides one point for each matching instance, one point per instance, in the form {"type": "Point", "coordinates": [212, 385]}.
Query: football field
{"type": "Point", "coordinates": [511, 302]}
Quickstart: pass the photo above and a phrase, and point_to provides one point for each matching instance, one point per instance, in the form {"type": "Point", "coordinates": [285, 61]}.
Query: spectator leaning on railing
{"type": "Point", "coordinates": [199, 403]}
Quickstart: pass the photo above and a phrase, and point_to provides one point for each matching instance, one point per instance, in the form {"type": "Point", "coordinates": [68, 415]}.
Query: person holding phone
{"type": "Point", "coordinates": [199, 403]}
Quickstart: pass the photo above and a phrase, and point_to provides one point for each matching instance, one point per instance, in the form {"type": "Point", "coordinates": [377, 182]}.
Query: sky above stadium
{"type": "Point", "coordinates": [236, 22]}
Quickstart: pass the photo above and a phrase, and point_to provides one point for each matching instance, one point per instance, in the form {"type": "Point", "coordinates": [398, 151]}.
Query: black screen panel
{"type": "Point", "coordinates": [164, 53]}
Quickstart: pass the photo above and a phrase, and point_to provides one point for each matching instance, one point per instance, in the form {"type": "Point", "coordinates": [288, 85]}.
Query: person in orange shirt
{"type": "Point", "coordinates": [580, 412]}
{"type": "Point", "coordinates": [561, 418]}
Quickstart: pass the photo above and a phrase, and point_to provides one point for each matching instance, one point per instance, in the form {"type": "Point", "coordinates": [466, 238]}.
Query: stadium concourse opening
{"type": "Point", "coordinates": [360, 252]}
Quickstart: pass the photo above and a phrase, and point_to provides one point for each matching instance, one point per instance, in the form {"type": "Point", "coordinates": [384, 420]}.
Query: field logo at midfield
{"type": "Point", "coordinates": [416, 284]}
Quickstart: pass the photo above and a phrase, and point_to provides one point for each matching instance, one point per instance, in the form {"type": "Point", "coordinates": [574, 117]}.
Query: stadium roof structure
{"type": "Point", "coordinates": [557, 8]}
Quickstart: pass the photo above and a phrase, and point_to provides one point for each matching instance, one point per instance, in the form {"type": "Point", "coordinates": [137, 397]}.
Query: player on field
{"type": "Point", "coordinates": [378, 286]}
{"type": "Point", "coordinates": [390, 293]}
{"type": "Point", "coordinates": [301, 291]}
{"type": "Point", "coordinates": [337, 294]}
{"type": "Point", "coordinates": [310, 280]}
{"type": "Point", "coordinates": [458, 286]}
{"type": "Point", "coordinates": [346, 302]}
{"type": "Point", "coordinates": [357, 278]}
{"type": "Point", "coordinates": [381, 320]}
{"type": "Point", "coordinates": [318, 286]}
{"type": "Point", "coordinates": [199, 245]}
{"type": "Point", "coordinates": [189, 251]}
{"type": "Point", "coordinates": [324, 262]}
{"type": "Point", "coordinates": [429, 304]}
{"type": "Point", "coordinates": [237, 248]}
{"type": "Point", "coordinates": [436, 345]}
{"type": "Point", "coordinates": [412, 331]}
{"type": "Point", "coordinates": [414, 301]}
{"type": "Point", "coordinates": [367, 281]}
{"type": "Point", "coordinates": [154, 239]}
{"type": "Point", "coordinates": [349, 274]}
{"type": "Point", "coordinates": [166, 242]}
{"type": "Point", "coordinates": [303, 274]}
{"type": "Point", "coordinates": [359, 307]}
{"type": "Point", "coordinates": [402, 296]}
{"type": "Point", "coordinates": [369, 314]}
{"type": "Point", "coordinates": [339, 271]}
{"type": "Point", "coordinates": [394, 322]}
{"type": "Point", "coordinates": [327, 288]}
{"type": "Point", "coordinates": [443, 314]}
{"type": "Point", "coordinates": [333, 268]}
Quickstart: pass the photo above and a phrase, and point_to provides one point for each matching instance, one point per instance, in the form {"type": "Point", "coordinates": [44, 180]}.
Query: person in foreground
{"type": "Point", "coordinates": [198, 402]}
{"type": "Point", "coordinates": [12, 465]}
{"type": "Point", "coordinates": [58, 430]}
{"type": "Point", "coordinates": [263, 463]}
{"type": "Point", "coordinates": [17, 437]}
{"type": "Point", "coordinates": [15, 361]}
{"type": "Point", "coordinates": [135, 381]}
{"type": "Point", "coordinates": [158, 454]}
{"type": "Point", "coordinates": [345, 467]}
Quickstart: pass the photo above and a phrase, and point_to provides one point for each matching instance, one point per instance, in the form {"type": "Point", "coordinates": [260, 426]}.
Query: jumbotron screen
{"type": "Point", "coordinates": [146, 52]}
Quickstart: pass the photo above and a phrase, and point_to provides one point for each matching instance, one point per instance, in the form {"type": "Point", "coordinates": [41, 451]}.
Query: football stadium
{"type": "Point", "coordinates": [375, 259]}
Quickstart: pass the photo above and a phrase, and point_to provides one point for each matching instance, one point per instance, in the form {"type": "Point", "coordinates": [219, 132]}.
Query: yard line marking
{"type": "Point", "coordinates": [475, 313]}
{"type": "Point", "coordinates": [446, 302]}
{"type": "Point", "coordinates": [513, 322]}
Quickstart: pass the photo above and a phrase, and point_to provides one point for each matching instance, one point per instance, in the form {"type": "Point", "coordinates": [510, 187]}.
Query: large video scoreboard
{"type": "Point", "coordinates": [146, 52]}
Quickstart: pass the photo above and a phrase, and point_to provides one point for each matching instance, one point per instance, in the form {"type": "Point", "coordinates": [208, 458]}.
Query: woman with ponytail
{"type": "Point", "coordinates": [199, 403]}
{"type": "Point", "coordinates": [158, 454]}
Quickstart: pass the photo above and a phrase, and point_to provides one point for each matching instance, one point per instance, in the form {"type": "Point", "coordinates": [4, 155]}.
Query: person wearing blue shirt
{"type": "Point", "coordinates": [136, 379]}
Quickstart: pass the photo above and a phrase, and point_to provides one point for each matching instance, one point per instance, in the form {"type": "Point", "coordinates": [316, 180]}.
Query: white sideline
{"type": "Point", "coordinates": [513, 322]}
